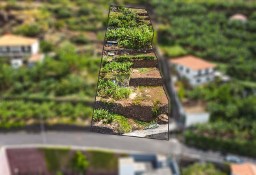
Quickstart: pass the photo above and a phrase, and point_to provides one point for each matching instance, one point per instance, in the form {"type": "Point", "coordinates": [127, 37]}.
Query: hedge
{"type": "Point", "coordinates": [243, 147]}
{"type": "Point", "coordinates": [134, 57]}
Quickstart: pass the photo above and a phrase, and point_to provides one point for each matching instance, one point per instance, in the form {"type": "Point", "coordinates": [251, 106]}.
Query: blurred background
{"type": "Point", "coordinates": [48, 83]}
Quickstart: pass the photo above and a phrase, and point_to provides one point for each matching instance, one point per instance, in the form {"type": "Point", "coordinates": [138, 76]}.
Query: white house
{"type": "Point", "coordinates": [18, 48]}
{"type": "Point", "coordinates": [196, 70]}
{"type": "Point", "coordinates": [147, 165]}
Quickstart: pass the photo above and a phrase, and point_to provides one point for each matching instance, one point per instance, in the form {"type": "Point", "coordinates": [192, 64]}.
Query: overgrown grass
{"type": "Point", "coordinates": [116, 67]}
{"type": "Point", "coordinates": [109, 89]}
{"type": "Point", "coordinates": [173, 51]}
{"type": "Point", "coordinates": [123, 123]}
{"type": "Point", "coordinates": [55, 157]}
{"type": "Point", "coordinates": [103, 160]}
{"type": "Point", "coordinates": [102, 115]}
{"type": "Point", "coordinates": [134, 57]}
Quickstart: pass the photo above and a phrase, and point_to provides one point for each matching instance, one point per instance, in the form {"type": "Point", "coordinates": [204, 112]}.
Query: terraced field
{"type": "Point", "coordinates": [130, 92]}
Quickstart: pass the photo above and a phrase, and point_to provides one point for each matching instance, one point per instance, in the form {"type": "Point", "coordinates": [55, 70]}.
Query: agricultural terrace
{"type": "Point", "coordinates": [130, 93]}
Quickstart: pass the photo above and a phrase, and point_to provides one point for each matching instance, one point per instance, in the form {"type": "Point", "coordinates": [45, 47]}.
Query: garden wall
{"type": "Point", "coordinates": [144, 63]}
{"type": "Point", "coordinates": [146, 82]}
{"type": "Point", "coordinates": [138, 112]}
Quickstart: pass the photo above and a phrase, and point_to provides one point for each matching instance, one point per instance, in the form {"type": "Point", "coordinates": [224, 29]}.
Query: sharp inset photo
{"type": "Point", "coordinates": [131, 98]}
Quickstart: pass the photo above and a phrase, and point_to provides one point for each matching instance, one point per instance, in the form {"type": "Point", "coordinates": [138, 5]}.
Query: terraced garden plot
{"type": "Point", "coordinates": [145, 77]}
{"type": "Point", "coordinates": [130, 93]}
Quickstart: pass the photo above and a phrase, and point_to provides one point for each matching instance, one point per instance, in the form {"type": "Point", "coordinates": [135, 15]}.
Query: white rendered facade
{"type": "Point", "coordinates": [195, 77]}
{"type": "Point", "coordinates": [18, 49]}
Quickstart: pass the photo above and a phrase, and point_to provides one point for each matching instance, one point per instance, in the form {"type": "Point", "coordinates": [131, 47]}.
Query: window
{"type": "Point", "coordinates": [206, 71]}
{"type": "Point", "coordinates": [181, 68]}
{"type": "Point", "coordinates": [198, 80]}
{"type": "Point", "coordinates": [187, 70]}
{"type": "Point", "coordinates": [4, 49]}
{"type": "Point", "coordinates": [199, 72]}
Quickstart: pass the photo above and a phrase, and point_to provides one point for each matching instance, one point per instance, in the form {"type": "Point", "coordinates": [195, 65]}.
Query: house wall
{"type": "Point", "coordinates": [19, 51]}
{"type": "Point", "coordinates": [35, 48]}
{"type": "Point", "coordinates": [195, 77]}
{"type": "Point", "coordinates": [197, 118]}
{"type": "Point", "coordinates": [4, 164]}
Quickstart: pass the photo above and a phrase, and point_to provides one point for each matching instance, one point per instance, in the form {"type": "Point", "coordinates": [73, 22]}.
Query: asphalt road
{"type": "Point", "coordinates": [78, 139]}
{"type": "Point", "coordinates": [89, 139]}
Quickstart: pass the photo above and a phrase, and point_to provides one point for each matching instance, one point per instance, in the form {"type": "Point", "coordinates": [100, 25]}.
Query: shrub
{"type": "Point", "coordinates": [117, 67]}
{"type": "Point", "coordinates": [46, 46]}
{"type": "Point", "coordinates": [174, 51]}
{"type": "Point", "coordinates": [107, 88]}
{"type": "Point", "coordinates": [134, 57]}
{"type": "Point", "coordinates": [80, 162]}
{"type": "Point", "coordinates": [102, 115]}
{"type": "Point", "coordinates": [79, 39]}
{"type": "Point", "coordinates": [63, 12]}
{"type": "Point", "coordinates": [31, 30]}
{"type": "Point", "coordinates": [132, 38]}
{"type": "Point", "coordinates": [205, 168]}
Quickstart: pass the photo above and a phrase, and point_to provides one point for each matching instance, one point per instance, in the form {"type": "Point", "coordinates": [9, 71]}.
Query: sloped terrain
{"type": "Point", "coordinates": [130, 93]}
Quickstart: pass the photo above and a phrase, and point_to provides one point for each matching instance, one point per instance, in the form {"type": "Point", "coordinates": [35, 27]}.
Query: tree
{"type": "Point", "coordinates": [80, 162]}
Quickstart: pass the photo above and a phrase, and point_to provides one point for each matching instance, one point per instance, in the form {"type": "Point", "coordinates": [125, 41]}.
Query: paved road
{"type": "Point", "coordinates": [90, 140]}
{"type": "Point", "coordinates": [122, 143]}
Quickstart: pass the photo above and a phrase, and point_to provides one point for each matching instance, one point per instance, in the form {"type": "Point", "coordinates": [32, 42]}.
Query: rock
{"type": "Point", "coordinates": [162, 119]}
{"type": "Point", "coordinates": [132, 95]}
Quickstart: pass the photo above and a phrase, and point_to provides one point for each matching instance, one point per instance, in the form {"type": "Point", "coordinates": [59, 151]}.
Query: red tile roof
{"type": "Point", "coordinates": [193, 62]}
{"type": "Point", "coordinates": [243, 169]}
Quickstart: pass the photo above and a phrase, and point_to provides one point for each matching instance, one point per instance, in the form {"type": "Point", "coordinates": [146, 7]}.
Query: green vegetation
{"type": "Point", "coordinates": [124, 125]}
{"type": "Point", "coordinates": [109, 89]}
{"type": "Point", "coordinates": [102, 115]}
{"type": "Point", "coordinates": [134, 57]}
{"type": "Point", "coordinates": [19, 113]}
{"type": "Point", "coordinates": [80, 162]}
{"type": "Point", "coordinates": [202, 169]}
{"type": "Point", "coordinates": [173, 51]}
{"type": "Point", "coordinates": [232, 126]}
{"type": "Point", "coordinates": [106, 117]}
{"type": "Point", "coordinates": [156, 108]}
{"type": "Point", "coordinates": [103, 160]}
{"type": "Point", "coordinates": [55, 158]}
{"type": "Point", "coordinates": [63, 160]}
{"type": "Point", "coordinates": [131, 38]}
{"type": "Point", "coordinates": [204, 29]}
{"type": "Point", "coordinates": [116, 67]}
{"type": "Point", "coordinates": [236, 137]}
{"type": "Point", "coordinates": [62, 75]}
{"type": "Point", "coordinates": [123, 18]}
{"type": "Point", "coordinates": [31, 30]}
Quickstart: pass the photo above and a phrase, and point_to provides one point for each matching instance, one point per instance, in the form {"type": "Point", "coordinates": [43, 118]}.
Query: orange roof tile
{"type": "Point", "coordinates": [193, 62]}
{"type": "Point", "coordinates": [14, 40]}
{"type": "Point", "coordinates": [243, 169]}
